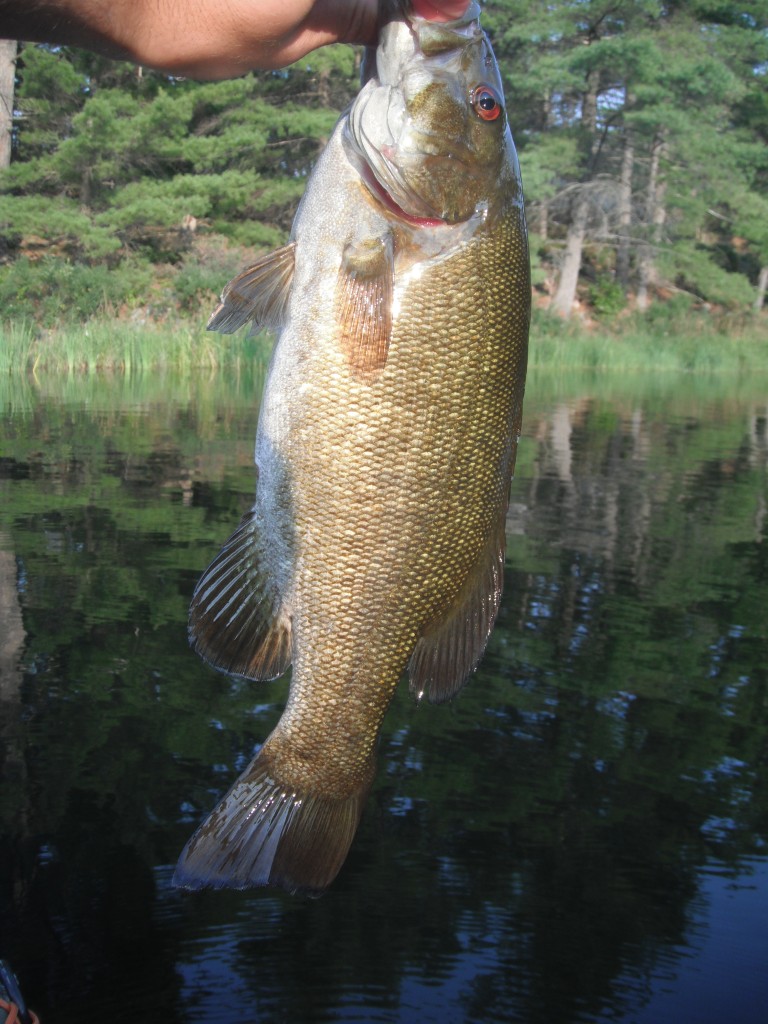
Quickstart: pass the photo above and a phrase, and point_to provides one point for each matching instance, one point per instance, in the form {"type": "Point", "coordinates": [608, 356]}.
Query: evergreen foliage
{"type": "Point", "coordinates": [641, 126]}
{"type": "Point", "coordinates": [658, 111]}
{"type": "Point", "coordinates": [123, 178]}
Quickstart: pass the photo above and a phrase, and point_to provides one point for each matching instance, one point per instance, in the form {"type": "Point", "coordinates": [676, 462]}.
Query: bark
{"type": "Point", "coordinates": [655, 214]}
{"type": "Point", "coordinates": [562, 303]}
{"type": "Point", "coordinates": [86, 187]}
{"type": "Point", "coordinates": [625, 211]}
{"type": "Point", "coordinates": [762, 285]}
{"type": "Point", "coordinates": [8, 48]}
{"type": "Point", "coordinates": [543, 219]}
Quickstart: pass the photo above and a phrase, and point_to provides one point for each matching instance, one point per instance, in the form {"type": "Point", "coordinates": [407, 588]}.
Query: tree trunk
{"type": "Point", "coordinates": [625, 211]}
{"type": "Point", "coordinates": [655, 214]}
{"type": "Point", "coordinates": [562, 303]}
{"type": "Point", "coordinates": [8, 48]}
{"type": "Point", "coordinates": [86, 188]}
{"type": "Point", "coordinates": [762, 285]}
{"type": "Point", "coordinates": [543, 219]}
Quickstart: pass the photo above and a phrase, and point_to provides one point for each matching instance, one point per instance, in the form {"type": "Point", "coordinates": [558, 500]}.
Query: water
{"type": "Point", "coordinates": [579, 837]}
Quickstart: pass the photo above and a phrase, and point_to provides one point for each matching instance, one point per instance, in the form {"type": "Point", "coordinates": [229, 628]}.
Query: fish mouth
{"type": "Point", "coordinates": [385, 197]}
{"type": "Point", "coordinates": [389, 184]}
{"type": "Point", "coordinates": [374, 159]}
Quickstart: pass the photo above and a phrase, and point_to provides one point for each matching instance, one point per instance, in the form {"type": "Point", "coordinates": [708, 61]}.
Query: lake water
{"type": "Point", "coordinates": [579, 837]}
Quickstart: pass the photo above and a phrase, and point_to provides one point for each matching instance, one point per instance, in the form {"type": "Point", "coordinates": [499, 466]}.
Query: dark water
{"type": "Point", "coordinates": [580, 837]}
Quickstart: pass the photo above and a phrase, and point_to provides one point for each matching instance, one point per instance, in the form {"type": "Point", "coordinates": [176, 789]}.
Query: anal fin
{"type": "Point", "coordinates": [449, 651]}
{"type": "Point", "coordinates": [236, 622]}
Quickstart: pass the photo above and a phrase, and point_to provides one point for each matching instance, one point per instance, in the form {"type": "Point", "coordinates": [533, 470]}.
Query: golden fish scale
{"type": "Point", "coordinates": [398, 485]}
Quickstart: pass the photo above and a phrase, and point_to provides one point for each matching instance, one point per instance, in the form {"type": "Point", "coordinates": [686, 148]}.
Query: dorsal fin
{"type": "Point", "coordinates": [259, 294]}
{"type": "Point", "coordinates": [236, 621]}
{"type": "Point", "coordinates": [449, 651]}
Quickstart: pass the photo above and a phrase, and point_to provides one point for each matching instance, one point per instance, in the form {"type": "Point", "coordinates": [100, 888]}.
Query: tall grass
{"type": "Point", "coordinates": [111, 345]}
{"type": "Point", "coordinates": [659, 343]}
{"type": "Point", "coordinates": [689, 343]}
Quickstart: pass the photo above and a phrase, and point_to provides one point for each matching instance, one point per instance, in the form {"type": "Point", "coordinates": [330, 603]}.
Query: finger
{"type": "Point", "coordinates": [440, 10]}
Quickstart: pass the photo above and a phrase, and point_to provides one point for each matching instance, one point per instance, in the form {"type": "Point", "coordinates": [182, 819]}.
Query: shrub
{"type": "Point", "coordinates": [606, 296]}
{"type": "Point", "coordinates": [50, 290]}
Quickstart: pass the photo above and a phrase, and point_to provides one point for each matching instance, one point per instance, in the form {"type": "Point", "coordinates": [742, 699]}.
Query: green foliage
{"type": "Point", "coordinates": [589, 83]}
{"type": "Point", "coordinates": [198, 281]}
{"type": "Point", "coordinates": [672, 337]}
{"type": "Point", "coordinates": [103, 345]}
{"type": "Point", "coordinates": [120, 168]}
{"type": "Point", "coordinates": [57, 224]}
{"type": "Point", "coordinates": [111, 165]}
{"type": "Point", "coordinates": [695, 270]}
{"type": "Point", "coordinates": [51, 289]}
{"type": "Point", "coordinates": [606, 296]}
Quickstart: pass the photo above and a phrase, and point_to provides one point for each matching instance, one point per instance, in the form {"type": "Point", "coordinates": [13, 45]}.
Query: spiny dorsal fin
{"type": "Point", "coordinates": [235, 620]}
{"type": "Point", "coordinates": [266, 832]}
{"type": "Point", "coordinates": [259, 294]}
{"type": "Point", "coordinates": [448, 653]}
{"type": "Point", "coordinates": [364, 293]}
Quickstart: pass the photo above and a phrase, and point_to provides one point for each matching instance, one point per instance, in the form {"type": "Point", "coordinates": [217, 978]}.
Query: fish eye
{"type": "Point", "coordinates": [486, 102]}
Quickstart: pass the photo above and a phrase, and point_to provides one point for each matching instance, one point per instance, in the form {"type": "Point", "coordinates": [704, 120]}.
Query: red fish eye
{"type": "Point", "coordinates": [486, 102]}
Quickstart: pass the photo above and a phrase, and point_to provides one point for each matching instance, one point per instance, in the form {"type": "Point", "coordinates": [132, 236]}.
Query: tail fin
{"type": "Point", "coordinates": [265, 833]}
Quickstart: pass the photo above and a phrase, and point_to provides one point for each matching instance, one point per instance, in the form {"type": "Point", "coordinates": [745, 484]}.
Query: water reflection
{"type": "Point", "coordinates": [579, 837]}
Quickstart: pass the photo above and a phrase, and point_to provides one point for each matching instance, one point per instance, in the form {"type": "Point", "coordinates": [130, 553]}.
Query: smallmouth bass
{"type": "Point", "coordinates": [385, 447]}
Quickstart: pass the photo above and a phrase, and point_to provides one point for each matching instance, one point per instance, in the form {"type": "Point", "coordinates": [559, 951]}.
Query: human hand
{"type": "Point", "coordinates": [205, 38]}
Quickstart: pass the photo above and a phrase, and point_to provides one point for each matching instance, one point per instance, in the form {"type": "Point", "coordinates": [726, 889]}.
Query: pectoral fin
{"type": "Point", "coordinates": [364, 294]}
{"type": "Point", "coordinates": [236, 622]}
{"type": "Point", "coordinates": [450, 650]}
{"type": "Point", "coordinates": [259, 294]}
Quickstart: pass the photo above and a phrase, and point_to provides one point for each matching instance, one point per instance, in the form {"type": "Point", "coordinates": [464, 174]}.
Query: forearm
{"type": "Point", "coordinates": [69, 22]}
{"type": "Point", "coordinates": [203, 38]}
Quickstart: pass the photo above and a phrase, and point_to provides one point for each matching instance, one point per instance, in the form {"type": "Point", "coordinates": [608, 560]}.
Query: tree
{"type": "Point", "coordinates": [631, 121]}
{"type": "Point", "coordinates": [8, 49]}
{"type": "Point", "coordinates": [642, 131]}
{"type": "Point", "coordinates": [127, 167]}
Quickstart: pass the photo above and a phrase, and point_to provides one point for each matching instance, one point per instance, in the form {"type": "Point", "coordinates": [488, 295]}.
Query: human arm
{"type": "Point", "coordinates": [204, 38]}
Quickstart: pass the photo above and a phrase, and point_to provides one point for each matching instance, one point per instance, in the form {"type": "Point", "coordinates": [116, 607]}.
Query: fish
{"type": "Point", "coordinates": [385, 446]}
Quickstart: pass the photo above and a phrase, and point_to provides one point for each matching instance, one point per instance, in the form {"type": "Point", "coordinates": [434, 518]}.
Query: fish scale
{"type": "Point", "coordinates": [385, 450]}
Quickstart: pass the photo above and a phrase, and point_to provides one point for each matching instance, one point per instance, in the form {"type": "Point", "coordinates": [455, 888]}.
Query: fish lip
{"type": "Point", "coordinates": [379, 172]}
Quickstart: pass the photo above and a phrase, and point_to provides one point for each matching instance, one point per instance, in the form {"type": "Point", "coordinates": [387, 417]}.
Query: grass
{"type": "Point", "coordinates": [690, 342]}
{"type": "Point", "coordinates": [120, 346]}
{"type": "Point", "coordinates": [661, 342]}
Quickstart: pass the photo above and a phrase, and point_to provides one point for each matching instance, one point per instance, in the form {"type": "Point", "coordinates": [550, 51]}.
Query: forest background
{"type": "Point", "coordinates": [132, 196]}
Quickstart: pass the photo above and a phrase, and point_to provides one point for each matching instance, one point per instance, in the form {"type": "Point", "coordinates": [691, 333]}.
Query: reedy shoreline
{"type": "Point", "coordinates": [690, 342]}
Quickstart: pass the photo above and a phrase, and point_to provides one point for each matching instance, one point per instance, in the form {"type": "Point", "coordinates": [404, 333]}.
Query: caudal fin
{"type": "Point", "coordinates": [266, 833]}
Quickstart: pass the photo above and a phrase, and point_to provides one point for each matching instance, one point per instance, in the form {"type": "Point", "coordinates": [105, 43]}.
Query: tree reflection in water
{"type": "Point", "coordinates": [557, 845]}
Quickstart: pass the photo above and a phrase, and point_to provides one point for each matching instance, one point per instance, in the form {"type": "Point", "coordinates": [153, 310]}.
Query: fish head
{"type": "Point", "coordinates": [429, 130]}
